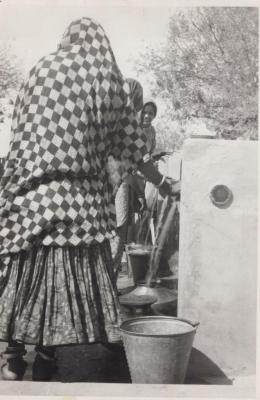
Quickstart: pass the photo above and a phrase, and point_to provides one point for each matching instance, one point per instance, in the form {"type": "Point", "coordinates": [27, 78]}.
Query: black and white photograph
{"type": "Point", "coordinates": [128, 198]}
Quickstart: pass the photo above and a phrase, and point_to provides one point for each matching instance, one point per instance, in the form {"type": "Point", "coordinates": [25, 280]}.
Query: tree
{"type": "Point", "coordinates": [10, 72]}
{"type": "Point", "coordinates": [209, 69]}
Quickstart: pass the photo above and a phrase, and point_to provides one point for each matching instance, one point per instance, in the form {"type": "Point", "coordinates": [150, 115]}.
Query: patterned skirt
{"type": "Point", "coordinates": [60, 295]}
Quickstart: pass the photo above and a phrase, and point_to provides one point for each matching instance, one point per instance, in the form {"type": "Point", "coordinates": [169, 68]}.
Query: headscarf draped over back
{"type": "Point", "coordinates": [72, 112]}
{"type": "Point", "coordinates": [136, 93]}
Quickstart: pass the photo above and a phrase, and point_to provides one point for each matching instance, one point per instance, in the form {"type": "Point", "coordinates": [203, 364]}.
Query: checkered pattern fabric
{"type": "Point", "coordinates": [72, 113]}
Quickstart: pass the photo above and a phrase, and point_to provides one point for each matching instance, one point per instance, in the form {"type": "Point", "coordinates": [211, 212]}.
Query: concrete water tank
{"type": "Point", "coordinates": [218, 255]}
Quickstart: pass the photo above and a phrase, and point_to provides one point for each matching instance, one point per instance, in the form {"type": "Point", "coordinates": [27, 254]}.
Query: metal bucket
{"type": "Point", "coordinates": [158, 348]}
{"type": "Point", "coordinates": [138, 256]}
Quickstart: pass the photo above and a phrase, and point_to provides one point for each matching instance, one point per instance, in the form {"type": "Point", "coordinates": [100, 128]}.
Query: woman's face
{"type": "Point", "coordinates": [148, 115]}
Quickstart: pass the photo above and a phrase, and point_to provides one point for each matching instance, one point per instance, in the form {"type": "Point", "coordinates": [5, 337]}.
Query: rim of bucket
{"type": "Point", "coordinates": [144, 300]}
{"type": "Point", "coordinates": [139, 246]}
{"type": "Point", "coordinates": [156, 317]}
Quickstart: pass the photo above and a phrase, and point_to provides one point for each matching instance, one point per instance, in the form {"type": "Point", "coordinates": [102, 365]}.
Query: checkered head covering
{"type": "Point", "coordinates": [72, 113]}
{"type": "Point", "coordinates": [136, 93]}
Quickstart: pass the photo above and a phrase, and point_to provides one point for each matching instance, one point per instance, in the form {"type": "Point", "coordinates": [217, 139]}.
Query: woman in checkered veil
{"type": "Point", "coordinates": [56, 200]}
{"type": "Point", "coordinates": [125, 195]}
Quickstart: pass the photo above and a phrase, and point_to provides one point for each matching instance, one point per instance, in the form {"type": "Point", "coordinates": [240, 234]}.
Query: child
{"type": "Point", "coordinates": [148, 114]}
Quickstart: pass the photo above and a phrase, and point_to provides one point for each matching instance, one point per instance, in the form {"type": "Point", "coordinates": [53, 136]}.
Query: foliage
{"type": "Point", "coordinates": [10, 72]}
{"type": "Point", "coordinates": [208, 69]}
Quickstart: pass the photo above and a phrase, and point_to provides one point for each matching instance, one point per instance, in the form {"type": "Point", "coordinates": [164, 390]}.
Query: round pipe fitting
{"type": "Point", "coordinates": [221, 196]}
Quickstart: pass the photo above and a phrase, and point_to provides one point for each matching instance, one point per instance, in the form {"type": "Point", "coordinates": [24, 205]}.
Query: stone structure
{"type": "Point", "coordinates": [218, 255]}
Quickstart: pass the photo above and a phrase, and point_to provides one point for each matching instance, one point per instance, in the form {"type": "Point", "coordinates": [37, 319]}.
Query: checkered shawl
{"type": "Point", "coordinates": [72, 113]}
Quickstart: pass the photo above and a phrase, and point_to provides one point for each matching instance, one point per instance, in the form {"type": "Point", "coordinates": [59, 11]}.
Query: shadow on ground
{"type": "Point", "coordinates": [92, 363]}
{"type": "Point", "coordinates": [207, 368]}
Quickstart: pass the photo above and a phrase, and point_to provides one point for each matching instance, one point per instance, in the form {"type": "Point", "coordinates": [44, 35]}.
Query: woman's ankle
{"type": "Point", "coordinates": [45, 364]}
{"type": "Point", "coordinates": [13, 350]}
{"type": "Point", "coordinates": [15, 366]}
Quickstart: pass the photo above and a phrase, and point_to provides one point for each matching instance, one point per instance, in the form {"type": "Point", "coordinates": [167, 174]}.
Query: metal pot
{"type": "Point", "coordinates": [163, 294]}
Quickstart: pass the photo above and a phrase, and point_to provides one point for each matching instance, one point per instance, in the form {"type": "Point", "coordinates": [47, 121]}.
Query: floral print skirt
{"type": "Point", "coordinates": [60, 295]}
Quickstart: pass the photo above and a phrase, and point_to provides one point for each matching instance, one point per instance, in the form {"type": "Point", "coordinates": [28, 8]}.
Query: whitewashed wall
{"type": "Point", "coordinates": [218, 255]}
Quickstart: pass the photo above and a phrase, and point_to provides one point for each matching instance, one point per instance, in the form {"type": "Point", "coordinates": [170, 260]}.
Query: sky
{"type": "Point", "coordinates": [36, 27]}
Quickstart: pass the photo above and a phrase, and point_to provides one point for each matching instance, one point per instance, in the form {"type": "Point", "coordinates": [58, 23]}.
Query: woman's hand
{"type": "Point", "coordinates": [166, 186]}
{"type": "Point", "coordinates": [142, 203]}
{"type": "Point", "coordinates": [156, 155]}
{"type": "Point", "coordinates": [170, 187]}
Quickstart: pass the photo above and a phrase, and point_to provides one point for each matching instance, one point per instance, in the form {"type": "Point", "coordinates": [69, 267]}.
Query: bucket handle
{"type": "Point", "coordinates": [195, 324]}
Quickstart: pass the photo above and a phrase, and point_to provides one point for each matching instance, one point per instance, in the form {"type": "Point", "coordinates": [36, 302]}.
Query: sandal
{"type": "Point", "coordinates": [15, 366]}
{"type": "Point", "coordinates": [14, 369]}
